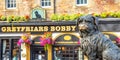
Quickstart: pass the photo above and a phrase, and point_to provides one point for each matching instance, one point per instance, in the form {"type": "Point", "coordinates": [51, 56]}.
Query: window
{"type": "Point", "coordinates": [81, 2]}
{"type": "Point", "coordinates": [9, 49]}
{"type": "Point", "coordinates": [68, 53]}
{"type": "Point", "coordinates": [45, 3]}
{"type": "Point", "coordinates": [10, 3]}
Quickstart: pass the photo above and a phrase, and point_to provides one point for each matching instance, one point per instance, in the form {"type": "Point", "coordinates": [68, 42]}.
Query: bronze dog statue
{"type": "Point", "coordinates": [95, 44]}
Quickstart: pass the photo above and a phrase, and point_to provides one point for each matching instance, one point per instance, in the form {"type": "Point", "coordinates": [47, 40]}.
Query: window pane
{"type": "Point", "coordinates": [46, 2]}
{"type": "Point", "coordinates": [81, 1]}
{"type": "Point", "coordinates": [5, 49]}
{"type": "Point", "coordinates": [78, 1]}
{"type": "Point", "coordinates": [8, 5]}
{"type": "Point", "coordinates": [85, 1]}
{"type": "Point", "coordinates": [8, 1]}
{"type": "Point", "coordinates": [11, 3]}
{"type": "Point", "coordinates": [49, 4]}
{"type": "Point", "coordinates": [14, 5]}
{"type": "Point", "coordinates": [42, 3]}
{"type": "Point", "coordinates": [15, 50]}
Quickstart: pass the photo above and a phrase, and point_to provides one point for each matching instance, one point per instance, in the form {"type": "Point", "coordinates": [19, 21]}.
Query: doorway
{"type": "Point", "coordinates": [38, 53]}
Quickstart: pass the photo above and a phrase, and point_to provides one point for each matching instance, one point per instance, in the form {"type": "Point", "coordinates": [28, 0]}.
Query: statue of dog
{"type": "Point", "coordinates": [94, 43]}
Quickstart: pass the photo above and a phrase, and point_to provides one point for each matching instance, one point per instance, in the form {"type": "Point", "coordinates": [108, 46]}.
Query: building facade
{"type": "Point", "coordinates": [65, 37]}
{"type": "Point", "coordinates": [24, 7]}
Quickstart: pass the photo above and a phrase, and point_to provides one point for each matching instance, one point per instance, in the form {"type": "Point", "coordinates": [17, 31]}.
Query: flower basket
{"type": "Point", "coordinates": [46, 40]}
{"type": "Point", "coordinates": [118, 41]}
{"type": "Point", "coordinates": [25, 38]}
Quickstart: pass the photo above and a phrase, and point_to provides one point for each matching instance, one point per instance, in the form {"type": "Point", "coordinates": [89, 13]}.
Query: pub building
{"type": "Point", "coordinates": [40, 38]}
{"type": "Point", "coordinates": [64, 36]}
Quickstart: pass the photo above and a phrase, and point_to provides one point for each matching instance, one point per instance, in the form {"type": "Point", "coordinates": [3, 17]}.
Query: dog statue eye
{"type": "Point", "coordinates": [80, 21]}
{"type": "Point", "coordinates": [88, 21]}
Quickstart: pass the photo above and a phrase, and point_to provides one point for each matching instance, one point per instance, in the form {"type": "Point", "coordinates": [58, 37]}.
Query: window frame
{"type": "Point", "coordinates": [68, 46]}
{"type": "Point", "coordinates": [11, 3]}
{"type": "Point", "coordinates": [11, 39]}
{"type": "Point", "coordinates": [45, 6]}
{"type": "Point", "coordinates": [82, 4]}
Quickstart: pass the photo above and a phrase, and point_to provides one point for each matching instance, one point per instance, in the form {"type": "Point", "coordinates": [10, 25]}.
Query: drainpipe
{"type": "Point", "coordinates": [54, 6]}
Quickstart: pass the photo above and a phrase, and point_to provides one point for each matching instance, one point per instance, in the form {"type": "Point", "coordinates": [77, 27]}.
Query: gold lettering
{"type": "Point", "coordinates": [40, 28]}
{"type": "Point", "coordinates": [18, 29]}
{"type": "Point", "coordinates": [36, 29]}
{"type": "Point", "coordinates": [31, 28]}
{"type": "Point", "coordinates": [73, 28]}
{"type": "Point", "coordinates": [52, 28]}
{"type": "Point", "coordinates": [3, 29]}
{"type": "Point", "coordinates": [13, 29]}
{"type": "Point", "coordinates": [27, 29]}
{"type": "Point", "coordinates": [8, 29]}
{"type": "Point", "coordinates": [23, 29]}
{"type": "Point", "coordinates": [62, 28]}
{"type": "Point", "coordinates": [68, 28]}
{"type": "Point", "coordinates": [57, 28]}
{"type": "Point", "coordinates": [46, 28]}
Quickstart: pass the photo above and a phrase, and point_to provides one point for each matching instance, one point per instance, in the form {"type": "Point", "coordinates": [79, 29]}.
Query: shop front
{"type": "Point", "coordinates": [48, 40]}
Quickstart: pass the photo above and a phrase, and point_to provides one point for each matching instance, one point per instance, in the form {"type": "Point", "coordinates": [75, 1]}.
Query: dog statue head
{"type": "Point", "coordinates": [87, 25]}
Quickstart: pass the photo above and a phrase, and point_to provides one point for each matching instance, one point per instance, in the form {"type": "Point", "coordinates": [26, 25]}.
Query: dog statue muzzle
{"type": "Point", "coordinates": [82, 27]}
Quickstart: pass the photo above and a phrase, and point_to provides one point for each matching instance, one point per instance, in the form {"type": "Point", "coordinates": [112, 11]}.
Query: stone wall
{"type": "Point", "coordinates": [24, 7]}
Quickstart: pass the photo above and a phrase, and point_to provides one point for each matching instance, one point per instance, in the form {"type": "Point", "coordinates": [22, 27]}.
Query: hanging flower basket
{"type": "Point", "coordinates": [78, 42]}
{"type": "Point", "coordinates": [118, 41]}
{"type": "Point", "coordinates": [46, 40]}
{"type": "Point", "coordinates": [25, 38]}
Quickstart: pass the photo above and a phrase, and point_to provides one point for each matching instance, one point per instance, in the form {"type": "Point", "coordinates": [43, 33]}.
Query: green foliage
{"type": "Point", "coordinates": [9, 18]}
{"type": "Point", "coordinates": [117, 15]}
{"type": "Point", "coordinates": [96, 15]}
{"type": "Point", "coordinates": [66, 17]}
{"type": "Point", "coordinates": [3, 18]}
{"type": "Point", "coordinates": [111, 14]}
{"type": "Point", "coordinates": [54, 17]}
{"type": "Point", "coordinates": [60, 17]}
{"type": "Point", "coordinates": [22, 18]}
{"type": "Point", "coordinates": [16, 18]}
{"type": "Point", "coordinates": [74, 16]}
{"type": "Point", "coordinates": [103, 15]}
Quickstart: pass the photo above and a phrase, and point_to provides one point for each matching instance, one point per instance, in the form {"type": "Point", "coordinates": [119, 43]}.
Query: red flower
{"type": "Point", "coordinates": [118, 40]}
{"type": "Point", "coordinates": [27, 17]}
{"type": "Point", "coordinates": [78, 42]}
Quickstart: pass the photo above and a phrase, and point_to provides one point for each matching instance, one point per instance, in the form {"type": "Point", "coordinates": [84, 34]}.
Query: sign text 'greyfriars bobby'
{"type": "Point", "coordinates": [9, 29]}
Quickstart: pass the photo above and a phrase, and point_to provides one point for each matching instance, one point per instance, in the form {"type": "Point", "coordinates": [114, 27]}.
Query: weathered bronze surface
{"type": "Point", "coordinates": [95, 44]}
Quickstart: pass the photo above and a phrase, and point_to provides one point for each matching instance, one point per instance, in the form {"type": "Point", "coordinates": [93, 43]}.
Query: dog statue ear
{"type": "Point", "coordinates": [77, 22]}
{"type": "Point", "coordinates": [95, 20]}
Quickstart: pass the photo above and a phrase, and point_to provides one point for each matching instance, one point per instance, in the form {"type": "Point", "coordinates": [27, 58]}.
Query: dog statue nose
{"type": "Point", "coordinates": [82, 27]}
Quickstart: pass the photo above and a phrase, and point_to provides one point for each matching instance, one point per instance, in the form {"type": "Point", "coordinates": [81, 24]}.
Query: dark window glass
{"type": "Point", "coordinates": [11, 3]}
{"type": "Point", "coordinates": [81, 1]}
{"type": "Point", "coordinates": [67, 53]}
{"type": "Point", "coordinates": [46, 2]}
{"type": "Point", "coordinates": [9, 49]}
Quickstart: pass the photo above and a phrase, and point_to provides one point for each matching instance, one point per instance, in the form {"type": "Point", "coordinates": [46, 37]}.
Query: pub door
{"type": "Point", "coordinates": [38, 53]}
